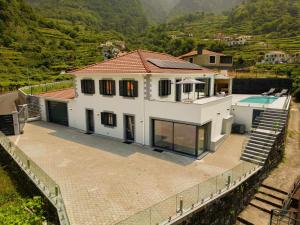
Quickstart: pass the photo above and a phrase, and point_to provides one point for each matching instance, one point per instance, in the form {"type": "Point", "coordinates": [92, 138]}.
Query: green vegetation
{"type": "Point", "coordinates": [16, 209]}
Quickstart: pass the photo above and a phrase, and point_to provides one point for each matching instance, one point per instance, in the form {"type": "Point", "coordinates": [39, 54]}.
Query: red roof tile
{"type": "Point", "coordinates": [62, 94]}
{"type": "Point", "coordinates": [136, 62]}
{"type": "Point", "coordinates": [205, 52]}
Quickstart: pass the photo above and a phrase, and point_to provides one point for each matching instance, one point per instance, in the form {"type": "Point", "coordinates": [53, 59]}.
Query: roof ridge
{"type": "Point", "coordinates": [143, 61]}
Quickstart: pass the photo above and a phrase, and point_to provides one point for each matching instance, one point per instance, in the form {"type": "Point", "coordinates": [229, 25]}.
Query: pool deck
{"type": "Point", "coordinates": [277, 104]}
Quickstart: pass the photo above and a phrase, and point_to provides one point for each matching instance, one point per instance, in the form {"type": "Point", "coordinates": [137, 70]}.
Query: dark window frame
{"type": "Point", "coordinates": [226, 59]}
{"type": "Point", "coordinates": [87, 86]}
{"type": "Point", "coordinates": [109, 119]}
{"type": "Point", "coordinates": [164, 88]}
{"type": "Point", "coordinates": [214, 59]}
{"type": "Point", "coordinates": [187, 88]}
{"type": "Point", "coordinates": [128, 88]}
{"type": "Point", "coordinates": [107, 87]}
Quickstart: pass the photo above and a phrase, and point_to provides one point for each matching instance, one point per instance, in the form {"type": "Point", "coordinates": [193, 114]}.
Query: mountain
{"type": "Point", "coordinates": [280, 17]}
{"type": "Point", "coordinates": [35, 47]}
{"type": "Point", "coordinates": [191, 6]}
{"type": "Point", "coordinates": [158, 10]}
{"type": "Point", "coordinates": [124, 16]}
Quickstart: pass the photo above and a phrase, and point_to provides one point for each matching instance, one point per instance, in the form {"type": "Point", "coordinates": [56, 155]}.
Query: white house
{"type": "Point", "coordinates": [151, 99]}
{"type": "Point", "coordinates": [275, 57]}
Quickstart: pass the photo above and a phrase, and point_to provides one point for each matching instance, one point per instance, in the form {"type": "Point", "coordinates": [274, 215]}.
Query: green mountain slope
{"type": "Point", "coordinates": [191, 6]}
{"type": "Point", "coordinates": [124, 16]}
{"type": "Point", "coordinates": [37, 48]}
{"type": "Point", "coordinates": [280, 17]}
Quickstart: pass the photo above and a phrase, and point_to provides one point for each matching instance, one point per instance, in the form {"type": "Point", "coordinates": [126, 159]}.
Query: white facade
{"type": "Point", "coordinates": [275, 57]}
{"type": "Point", "coordinates": [147, 106]}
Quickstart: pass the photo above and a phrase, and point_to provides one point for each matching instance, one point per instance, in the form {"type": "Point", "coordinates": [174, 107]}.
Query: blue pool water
{"type": "Point", "coordinates": [260, 99]}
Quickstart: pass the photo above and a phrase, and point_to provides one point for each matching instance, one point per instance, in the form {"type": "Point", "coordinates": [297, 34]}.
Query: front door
{"type": "Point", "coordinates": [129, 128]}
{"type": "Point", "coordinates": [90, 128]}
{"type": "Point", "coordinates": [178, 91]}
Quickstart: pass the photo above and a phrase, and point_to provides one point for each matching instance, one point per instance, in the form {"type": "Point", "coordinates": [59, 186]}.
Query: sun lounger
{"type": "Point", "coordinates": [271, 91]}
{"type": "Point", "coordinates": [282, 93]}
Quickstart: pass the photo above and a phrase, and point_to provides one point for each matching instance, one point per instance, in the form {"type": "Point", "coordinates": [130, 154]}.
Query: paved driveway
{"type": "Point", "coordinates": [104, 181]}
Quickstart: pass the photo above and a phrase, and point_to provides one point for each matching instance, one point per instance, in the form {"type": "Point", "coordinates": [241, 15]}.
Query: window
{"type": "Point", "coordinates": [88, 86]}
{"type": "Point", "coordinates": [164, 87]}
{"type": "Point", "coordinates": [191, 60]}
{"type": "Point", "coordinates": [226, 59]}
{"type": "Point", "coordinates": [128, 88]}
{"type": "Point", "coordinates": [187, 88]}
{"type": "Point", "coordinates": [107, 87]}
{"type": "Point", "coordinates": [109, 119]}
{"type": "Point", "coordinates": [212, 59]}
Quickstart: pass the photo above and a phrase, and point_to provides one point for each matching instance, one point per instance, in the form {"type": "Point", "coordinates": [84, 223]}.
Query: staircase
{"type": "Point", "coordinates": [265, 129]}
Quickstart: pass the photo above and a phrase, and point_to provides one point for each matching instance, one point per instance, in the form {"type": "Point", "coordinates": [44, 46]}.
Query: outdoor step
{"type": "Point", "coordinates": [270, 120]}
{"type": "Point", "coordinates": [273, 124]}
{"type": "Point", "coordinates": [275, 116]}
{"type": "Point", "coordinates": [275, 112]}
{"type": "Point", "coordinates": [263, 154]}
{"type": "Point", "coordinates": [265, 133]}
{"type": "Point", "coordinates": [274, 194]}
{"type": "Point", "coordinates": [262, 205]}
{"type": "Point", "coordinates": [254, 156]}
{"type": "Point", "coordinates": [251, 148]}
{"type": "Point", "coordinates": [269, 128]}
{"type": "Point", "coordinates": [274, 189]}
{"type": "Point", "coordinates": [262, 139]}
{"type": "Point", "coordinates": [254, 216]}
{"type": "Point", "coordinates": [241, 221]}
{"type": "Point", "coordinates": [268, 199]}
{"type": "Point", "coordinates": [259, 146]}
{"type": "Point", "coordinates": [259, 162]}
{"type": "Point", "coordinates": [261, 142]}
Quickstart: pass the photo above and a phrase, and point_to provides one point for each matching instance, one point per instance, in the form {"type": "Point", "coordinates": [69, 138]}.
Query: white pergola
{"type": "Point", "coordinates": [190, 81]}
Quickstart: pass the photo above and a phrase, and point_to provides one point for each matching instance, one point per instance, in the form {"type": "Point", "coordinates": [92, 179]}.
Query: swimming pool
{"type": "Point", "coordinates": [260, 99]}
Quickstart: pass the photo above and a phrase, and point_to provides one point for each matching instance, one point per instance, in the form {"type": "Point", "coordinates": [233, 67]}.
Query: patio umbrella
{"type": "Point", "coordinates": [190, 81]}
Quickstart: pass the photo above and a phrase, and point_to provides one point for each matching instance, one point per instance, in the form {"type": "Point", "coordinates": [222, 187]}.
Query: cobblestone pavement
{"type": "Point", "coordinates": [104, 181]}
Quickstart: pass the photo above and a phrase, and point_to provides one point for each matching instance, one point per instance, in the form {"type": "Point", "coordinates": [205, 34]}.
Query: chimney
{"type": "Point", "coordinates": [200, 49]}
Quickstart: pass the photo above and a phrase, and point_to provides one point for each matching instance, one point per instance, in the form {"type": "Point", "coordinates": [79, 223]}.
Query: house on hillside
{"type": "Point", "coordinates": [294, 58]}
{"type": "Point", "coordinates": [148, 98]}
{"type": "Point", "coordinates": [237, 41]}
{"type": "Point", "coordinates": [208, 59]}
{"type": "Point", "coordinates": [275, 57]}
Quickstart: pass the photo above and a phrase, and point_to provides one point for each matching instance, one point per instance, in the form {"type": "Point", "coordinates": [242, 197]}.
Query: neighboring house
{"type": "Point", "coordinates": [237, 41]}
{"type": "Point", "coordinates": [208, 59]}
{"type": "Point", "coordinates": [137, 98]}
{"type": "Point", "coordinates": [275, 57]}
{"type": "Point", "coordinates": [294, 58]}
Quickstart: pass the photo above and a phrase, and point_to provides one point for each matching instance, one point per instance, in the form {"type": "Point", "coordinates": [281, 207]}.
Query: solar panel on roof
{"type": "Point", "coordinates": [167, 64]}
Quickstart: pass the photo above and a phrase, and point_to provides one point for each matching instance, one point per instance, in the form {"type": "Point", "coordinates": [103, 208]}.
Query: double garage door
{"type": "Point", "coordinates": [58, 112]}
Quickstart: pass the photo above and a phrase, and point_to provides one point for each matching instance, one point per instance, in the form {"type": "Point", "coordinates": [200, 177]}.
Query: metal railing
{"type": "Point", "coordinates": [174, 207]}
{"type": "Point", "coordinates": [42, 88]}
{"type": "Point", "coordinates": [39, 177]}
{"type": "Point", "coordinates": [284, 217]}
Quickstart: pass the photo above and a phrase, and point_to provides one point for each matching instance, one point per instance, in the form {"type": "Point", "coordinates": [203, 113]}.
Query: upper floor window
{"type": "Point", "coordinates": [88, 86]}
{"type": "Point", "coordinates": [212, 59]}
{"type": "Point", "coordinates": [226, 59]}
{"type": "Point", "coordinates": [128, 88]}
{"type": "Point", "coordinates": [164, 87]}
{"type": "Point", "coordinates": [107, 87]}
{"type": "Point", "coordinates": [109, 119]}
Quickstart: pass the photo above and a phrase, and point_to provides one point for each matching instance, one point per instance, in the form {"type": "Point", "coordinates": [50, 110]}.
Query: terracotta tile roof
{"type": "Point", "coordinates": [205, 52]}
{"type": "Point", "coordinates": [136, 62]}
{"type": "Point", "coordinates": [62, 94]}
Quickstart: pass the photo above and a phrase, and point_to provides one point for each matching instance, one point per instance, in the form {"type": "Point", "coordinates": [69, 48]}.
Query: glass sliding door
{"type": "Point", "coordinates": [163, 134]}
{"type": "Point", "coordinates": [201, 140]}
{"type": "Point", "coordinates": [185, 138]}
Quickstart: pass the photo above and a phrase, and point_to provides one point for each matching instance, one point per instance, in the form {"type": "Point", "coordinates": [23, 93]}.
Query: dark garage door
{"type": "Point", "coordinates": [58, 113]}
